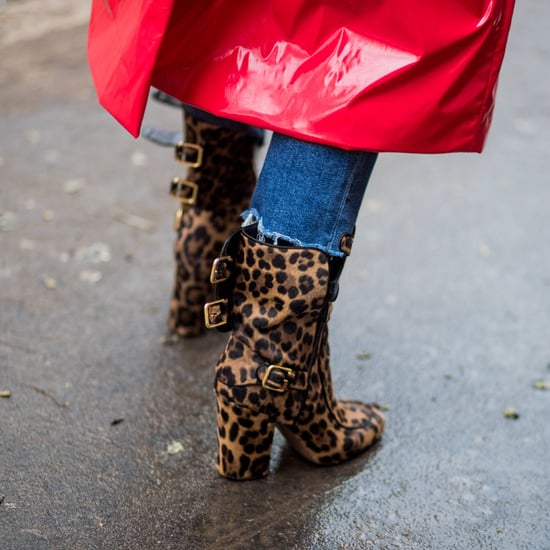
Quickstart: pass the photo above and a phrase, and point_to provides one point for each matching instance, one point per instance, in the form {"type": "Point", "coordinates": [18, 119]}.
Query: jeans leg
{"type": "Point", "coordinates": [309, 194]}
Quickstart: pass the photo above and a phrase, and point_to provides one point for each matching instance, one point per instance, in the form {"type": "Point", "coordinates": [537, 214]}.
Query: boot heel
{"type": "Point", "coordinates": [244, 441]}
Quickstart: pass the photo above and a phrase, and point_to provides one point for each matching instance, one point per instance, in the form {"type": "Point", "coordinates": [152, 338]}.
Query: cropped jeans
{"type": "Point", "coordinates": [309, 194]}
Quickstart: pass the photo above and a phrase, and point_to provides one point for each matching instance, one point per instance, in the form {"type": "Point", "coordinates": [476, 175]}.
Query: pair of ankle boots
{"type": "Point", "coordinates": [275, 300]}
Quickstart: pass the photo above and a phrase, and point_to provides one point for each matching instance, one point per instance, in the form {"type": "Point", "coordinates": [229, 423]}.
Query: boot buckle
{"type": "Point", "coordinates": [177, 219]}
{"type": "Point", "coordinates": [277, 378]}
{"type": "Point", "coordinates": [184, 190]}
{"type": "Point", "coordinates": [185, 150]}
{"type": "Point", "coordinates": [215, 313]}
{"type": "Point", "coordinates": [220, 269]}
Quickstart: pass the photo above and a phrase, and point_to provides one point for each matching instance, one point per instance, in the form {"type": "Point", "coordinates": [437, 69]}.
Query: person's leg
{"type": "Point", "coordinates": [310, 194]}
{"type": "Point", "coordinates": [275, 281]}
{"type": "Point", "coordinates": [220, 178]}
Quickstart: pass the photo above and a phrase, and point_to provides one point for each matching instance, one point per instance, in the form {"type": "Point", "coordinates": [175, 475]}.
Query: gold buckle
{"type": "Point", "coordinates": [177, 219]}
{"type": "Point", "coordinates": [220, 271]}
{"type": "Point", "coordinates": [181, 154]}
{"type": "Point", "coordinates": [215, 314]}
{"type": "Point", "coordinates": [184, 190]}
{"type": "Point", "coordinates": [280, 385]}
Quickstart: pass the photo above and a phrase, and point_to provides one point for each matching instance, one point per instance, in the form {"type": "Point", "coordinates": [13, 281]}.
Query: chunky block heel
{"type": "Point", "coordinates": [244, 442]}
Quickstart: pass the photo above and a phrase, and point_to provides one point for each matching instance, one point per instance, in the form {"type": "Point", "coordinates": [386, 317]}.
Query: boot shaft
{"type": "Point", "coordinates": [220, 167]}
{"type": "Point", "coordinates": [274, 297]}
{"type": "Point", "coordinates": [215, 191]}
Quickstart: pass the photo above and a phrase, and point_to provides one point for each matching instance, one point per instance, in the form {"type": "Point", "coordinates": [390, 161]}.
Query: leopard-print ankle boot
{"type": "Point", "coordinates": [275, 369]}
{"type": "Point", "coordinates": [216, 190]}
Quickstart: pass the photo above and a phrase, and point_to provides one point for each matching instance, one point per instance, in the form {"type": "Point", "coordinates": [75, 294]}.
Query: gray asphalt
{"type": "Point", "coordinates": [107, 437]}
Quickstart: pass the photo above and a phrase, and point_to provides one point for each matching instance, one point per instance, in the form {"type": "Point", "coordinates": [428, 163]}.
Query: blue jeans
{"type": "Point", "coordinates": [309, 194]}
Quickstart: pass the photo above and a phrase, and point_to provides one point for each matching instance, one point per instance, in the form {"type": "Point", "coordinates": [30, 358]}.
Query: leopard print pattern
{"type": "Point", "coordinates": [226, 180]}
{"type": "Point", "coordinates": [251, 459]}
{"type": "Point", "coordinates": [199, 241]}
{"type": "Point", "coordinates": [280, 303]}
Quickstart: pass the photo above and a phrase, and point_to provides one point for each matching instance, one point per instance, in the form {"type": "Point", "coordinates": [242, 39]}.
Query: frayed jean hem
{"type": "Point", "coordinates": [251, 217]}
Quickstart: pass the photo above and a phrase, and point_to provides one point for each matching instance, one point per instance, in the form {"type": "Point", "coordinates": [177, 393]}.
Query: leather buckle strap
{"type": "Point", "coordinates": [215, 313]}
{"type": "Point", "coordinates": [277, 378]}
{"type": "Point", "coordinates": [185, 191]}
{"type": "Point", "coordinates": [219, 313]}
{"type": "Point", "coordinates": [221, 269]}
{"type": "Point", "coordinates": [189, 154]}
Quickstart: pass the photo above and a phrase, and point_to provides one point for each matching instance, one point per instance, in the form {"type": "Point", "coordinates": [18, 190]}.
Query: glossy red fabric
{"type": "Point", "coordinates": [380, 75]}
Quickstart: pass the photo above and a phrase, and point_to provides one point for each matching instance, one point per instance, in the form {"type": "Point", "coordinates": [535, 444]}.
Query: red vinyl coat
{"type": "Point", "coordinates": [381, 75]}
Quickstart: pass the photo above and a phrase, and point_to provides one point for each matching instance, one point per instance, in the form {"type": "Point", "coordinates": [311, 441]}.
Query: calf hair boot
{"type": "Point", "coordinates": [216, 189]}
{"type": "Point", "coordinates": [275, 370]}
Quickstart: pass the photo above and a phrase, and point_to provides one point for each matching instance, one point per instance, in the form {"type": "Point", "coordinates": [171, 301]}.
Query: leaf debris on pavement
{"type": "Point", "coordinates": [60, 404]}
{"type": "Point", "coordinates": [27, 244]}
{"type": "Point", "coordinates": [90, 276]}
{"type": "Point", "coordinates": [174, 448]}
{"type": "Point", "coordinates": [137, 222]}
{"type": "Point", "coordinates": [96, 253]}
{"type": "Point", "coordinates": [510, 412]}
{"type": "Point", "coordinates": [74, 186]}
{"type": "Point", "coordinates": [48, 215]}
{"type": "Point", "coordinates": [49, 282]}
{"type": "Point", "coordinates": [139, 158]}
{"type": "Point", "coordinates": [484, 250]}
{"type": "Point", "coordinates": [7, 220]}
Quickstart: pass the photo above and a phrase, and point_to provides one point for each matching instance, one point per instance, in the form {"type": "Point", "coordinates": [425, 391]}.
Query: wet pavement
{"type": "Point", "coordinates": [107, 437]}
